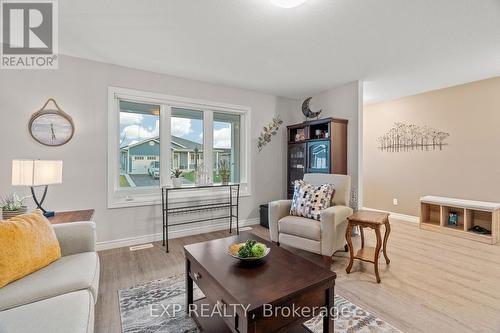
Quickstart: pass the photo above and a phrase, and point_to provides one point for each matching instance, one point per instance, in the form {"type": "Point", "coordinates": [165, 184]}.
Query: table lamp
{"type": "Point", "coordinates": [36, 173]}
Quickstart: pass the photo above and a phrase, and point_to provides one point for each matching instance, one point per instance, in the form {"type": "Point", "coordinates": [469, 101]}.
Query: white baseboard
{"type": "Point", "coordinates": [397, 216]}
{"type": "Point", "coordinates": [131, 241]}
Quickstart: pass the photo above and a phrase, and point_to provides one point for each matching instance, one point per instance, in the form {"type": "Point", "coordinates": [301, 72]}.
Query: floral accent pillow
{"type": "Point", "coordinates": [309, 200]}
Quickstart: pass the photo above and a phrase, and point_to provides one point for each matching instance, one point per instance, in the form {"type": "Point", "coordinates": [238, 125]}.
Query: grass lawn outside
{"type": "Point", "coordinates": [124, 181]}
{"type": "Point", "coordinates": [190, 177]}
{"type": "Point", "coordinates": [216, 178]}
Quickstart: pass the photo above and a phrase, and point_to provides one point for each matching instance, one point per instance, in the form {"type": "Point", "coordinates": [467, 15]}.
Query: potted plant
{"type": "Point", "coordinates": [176, 177]}
{"type": "Point", "coordinates": [224, 171]}
{"type": "Point", "coordinates": [12, 205]}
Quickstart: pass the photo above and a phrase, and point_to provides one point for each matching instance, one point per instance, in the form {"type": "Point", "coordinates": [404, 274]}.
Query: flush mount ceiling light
{"type": "Point", "coordinates": [287, 3]}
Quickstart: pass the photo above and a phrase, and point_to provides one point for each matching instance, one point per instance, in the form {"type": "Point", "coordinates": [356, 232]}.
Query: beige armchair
{"type": "Point", "coordinates": [324, 237]}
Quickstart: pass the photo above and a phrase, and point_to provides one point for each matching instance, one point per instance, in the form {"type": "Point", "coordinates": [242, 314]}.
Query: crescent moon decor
{"type": "Point", "coordinates": [306, 110]}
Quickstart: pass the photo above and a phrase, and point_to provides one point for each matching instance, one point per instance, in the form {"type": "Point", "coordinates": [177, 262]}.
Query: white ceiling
{"type": "Point", "coordinates": [398, 47]}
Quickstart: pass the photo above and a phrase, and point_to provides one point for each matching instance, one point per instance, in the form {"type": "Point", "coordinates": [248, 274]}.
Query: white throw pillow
{"type": "Point", "coordinates": [309, 200]}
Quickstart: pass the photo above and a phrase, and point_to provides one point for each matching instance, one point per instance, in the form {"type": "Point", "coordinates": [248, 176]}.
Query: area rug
{"type": "Point", "coordinates": [144, 309]}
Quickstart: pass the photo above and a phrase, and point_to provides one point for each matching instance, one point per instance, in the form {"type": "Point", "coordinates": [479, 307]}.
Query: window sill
{"type": "Point", "coordinates": [138, 200]}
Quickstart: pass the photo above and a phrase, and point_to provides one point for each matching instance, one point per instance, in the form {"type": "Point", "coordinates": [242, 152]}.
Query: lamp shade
{"type": "Point", "coordinates": [36, 172]}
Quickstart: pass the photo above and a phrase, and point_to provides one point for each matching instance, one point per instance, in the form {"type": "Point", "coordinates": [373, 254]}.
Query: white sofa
{"type": "Point", "coordinates": [59, 298]}
{"type": "Point", "coordinates": [324, 237]}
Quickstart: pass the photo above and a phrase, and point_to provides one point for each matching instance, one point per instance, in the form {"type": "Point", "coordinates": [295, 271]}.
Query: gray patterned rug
{"type": "Point", "coordinates": [147, 308]}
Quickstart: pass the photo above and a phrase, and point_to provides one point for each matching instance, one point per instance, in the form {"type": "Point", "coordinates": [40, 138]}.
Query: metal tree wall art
{"type": "Point", "coordinates": [268, 132]}
{"type": "Point", "coordinates": [406, 137]}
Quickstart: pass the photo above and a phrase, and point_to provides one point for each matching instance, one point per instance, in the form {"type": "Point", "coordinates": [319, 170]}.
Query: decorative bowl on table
{"type": "Point", "coordinates": [249, 251]}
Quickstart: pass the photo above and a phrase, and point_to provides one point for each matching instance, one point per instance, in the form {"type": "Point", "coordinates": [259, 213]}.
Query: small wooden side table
{"type": "Point", "coordinates": [72, 216]}
{"type": "Point", "coordinates": [372, 220]}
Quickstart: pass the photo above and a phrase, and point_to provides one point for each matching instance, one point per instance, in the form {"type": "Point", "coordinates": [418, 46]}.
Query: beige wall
{"type": "Point", "coordinates": [468, 167]}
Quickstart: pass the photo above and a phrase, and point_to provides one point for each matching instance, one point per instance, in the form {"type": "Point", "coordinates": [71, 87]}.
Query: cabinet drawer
{"type": "Point", "coordinates": [215, 296]}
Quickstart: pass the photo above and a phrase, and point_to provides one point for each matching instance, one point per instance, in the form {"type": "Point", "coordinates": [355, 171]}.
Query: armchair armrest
{"type": "Point", "coordinates": [333, 227]}
{"type": "Point", "coordinates": [277, 210]}
{"type": "Point", "coordinates": [76, 237]}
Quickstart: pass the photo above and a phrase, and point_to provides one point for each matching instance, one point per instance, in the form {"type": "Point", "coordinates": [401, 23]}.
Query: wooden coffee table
{"type": "Point", "coordinates": [282, 279]}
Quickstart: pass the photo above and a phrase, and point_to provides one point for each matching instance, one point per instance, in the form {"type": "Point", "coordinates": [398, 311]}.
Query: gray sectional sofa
{"type": "Point", "coordinates": [59, 298]}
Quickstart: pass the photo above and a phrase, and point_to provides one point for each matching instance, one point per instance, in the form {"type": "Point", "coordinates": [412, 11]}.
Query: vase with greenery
{"type": "Point", "coordinates": [12, 205]}
{"type": "Point", "coordinates": [224, 171]}
{"type": "Point", "coordinates": [176, 177]}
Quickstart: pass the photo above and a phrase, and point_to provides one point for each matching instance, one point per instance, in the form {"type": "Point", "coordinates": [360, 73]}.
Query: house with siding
{"type": "Point", "coordinates": [135, 158]}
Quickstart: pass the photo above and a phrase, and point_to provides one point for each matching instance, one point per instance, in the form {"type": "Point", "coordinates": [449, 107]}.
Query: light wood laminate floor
{"type": "Point", "coordinates": [435, 283]}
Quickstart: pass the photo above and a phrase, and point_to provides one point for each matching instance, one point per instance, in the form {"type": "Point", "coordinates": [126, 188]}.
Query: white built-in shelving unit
{"type": "Point", "coordinates": [435, 211]}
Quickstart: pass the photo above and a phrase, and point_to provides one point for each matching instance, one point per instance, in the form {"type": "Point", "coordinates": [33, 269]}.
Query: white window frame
{"type": "Point", "coordinates": [129, 197]}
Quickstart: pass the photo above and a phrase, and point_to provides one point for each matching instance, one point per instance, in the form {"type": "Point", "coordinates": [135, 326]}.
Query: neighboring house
{"type": "Point", "coordinates": [135, 158]}
{"type": "Point", "coordinates": [183, 153]}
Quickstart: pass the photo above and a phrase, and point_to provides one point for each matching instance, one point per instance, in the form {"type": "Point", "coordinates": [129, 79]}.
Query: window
{"type": "Point", "coordinates": [139, 143]}
{"type": "Point", "coordinates": [200, 134]}
{"type": "Point", "coordinates": [226, 144]}
{"type": "Point", "coordinates": [186, 129]}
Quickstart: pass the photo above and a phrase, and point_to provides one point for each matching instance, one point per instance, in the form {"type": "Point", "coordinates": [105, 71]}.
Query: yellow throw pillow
{"type": "Point", "coordinates": [27, 244]}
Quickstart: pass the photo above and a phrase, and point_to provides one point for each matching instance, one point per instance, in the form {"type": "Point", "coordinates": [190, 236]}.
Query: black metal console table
{"type": "Point", "coordinates": [231, 202]}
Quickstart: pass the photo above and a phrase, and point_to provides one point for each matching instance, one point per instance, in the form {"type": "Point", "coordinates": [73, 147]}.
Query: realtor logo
{"type": "Point", "coordinates": [29, 34]}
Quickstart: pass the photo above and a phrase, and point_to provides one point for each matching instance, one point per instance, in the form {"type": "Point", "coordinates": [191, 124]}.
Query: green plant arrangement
{"type": "Point", "coordinates": [177, 173]}
{"type": "Point", "coordinates": [268, 132]}
{"type": "Point", "coordinates": [12, 205]}
{"type": "Point", "coordinates": [176, 177]}
{"type": "Point", "coordinates": [224, 171]}
{"type": "Point", "coordinates": [12, 202]}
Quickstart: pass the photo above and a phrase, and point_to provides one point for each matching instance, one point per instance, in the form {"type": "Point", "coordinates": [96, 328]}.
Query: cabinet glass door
{"type": "Point", "coordinates": [296, 164]}
{"type": "Point", "coordinates": [318, 156]}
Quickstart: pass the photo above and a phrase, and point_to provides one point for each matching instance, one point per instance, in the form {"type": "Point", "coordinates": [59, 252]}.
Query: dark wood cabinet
{"type": "Point", "coordinates": [317, 146]}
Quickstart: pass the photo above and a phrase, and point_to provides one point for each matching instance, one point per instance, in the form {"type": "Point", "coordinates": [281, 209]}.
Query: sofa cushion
{"type": "Point", "coordinates": [70, 273]}
{"type": "Point", "coordinates": [342, 184]}
{"type": "Point", "coordinates": [301, 243]}
{"type": "Point", "coordinates": [301, 227]}
{"type": "Point", "coordinates": [28, 243]}
{"type": "Point", "coordinates": [309, 200]}
{"type": "Point", "coordinates": [72, 312]}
